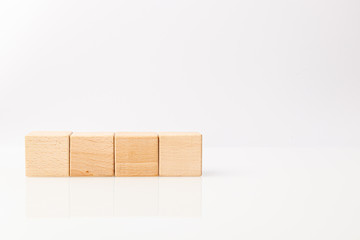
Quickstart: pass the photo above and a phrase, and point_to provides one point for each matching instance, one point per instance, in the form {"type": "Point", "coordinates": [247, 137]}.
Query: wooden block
{"type": "Point", "coordinates": [180, 154]}
{"type": "Point", "coordinates": [136, 154]}
{"type": "Point", "coordinates": [92, 154]}
{"type": "Point", "coordinates": [47, 154]}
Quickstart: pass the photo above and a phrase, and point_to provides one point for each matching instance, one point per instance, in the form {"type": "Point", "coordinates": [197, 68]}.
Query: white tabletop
{"type": "Point", "coordinates": [244, 193]}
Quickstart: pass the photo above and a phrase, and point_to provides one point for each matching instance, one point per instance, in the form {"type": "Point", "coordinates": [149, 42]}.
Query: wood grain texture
{"type": "Point", "coordinates": [180, 154]}
{"type": "Point", "coordinates": [92, 154]}
{"type": "Point", "coordinates": [47, 154]}
{"type": "Point", "coordinates": [136, 154]}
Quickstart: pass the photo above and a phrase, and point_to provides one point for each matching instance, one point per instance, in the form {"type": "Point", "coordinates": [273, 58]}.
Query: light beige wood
{"type": "Point", "coordinates": [180, 154]}
{"type": "Point", "coordinates": [92, 154]}
{"type": "Point", "coordinates": [47, 154]}
{"type": "Point", "coordinates": [136, 154]}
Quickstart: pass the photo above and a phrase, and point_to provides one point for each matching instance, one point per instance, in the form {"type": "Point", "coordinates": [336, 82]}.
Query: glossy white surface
{"type": "Point", "coordinates": [245, 193]}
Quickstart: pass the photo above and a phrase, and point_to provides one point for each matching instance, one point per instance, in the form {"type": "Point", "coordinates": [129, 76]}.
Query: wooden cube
{"type": "Point", "coordinates": [47, 154]}
{"type": "Point", "coordinates": [180, 154]}
{"type": "Point", "coordinates": [92, 154]}
{"type": "Point", "coordinates": [136, 154]}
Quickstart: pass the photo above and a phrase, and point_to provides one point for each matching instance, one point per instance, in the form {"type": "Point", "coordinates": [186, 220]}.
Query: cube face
{"type": "Point", "coordinates": [136, 154]}
{"type": "Point", "coordinates": [180, 154]}
{"type": "Point", "coordinates": [47, 154]}
{"type": "Point", "coordinates": [92, 154]}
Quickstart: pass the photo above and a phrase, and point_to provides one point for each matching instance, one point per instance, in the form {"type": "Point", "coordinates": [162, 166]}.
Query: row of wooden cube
{"type": "Point", "coordinates": [59, 154]}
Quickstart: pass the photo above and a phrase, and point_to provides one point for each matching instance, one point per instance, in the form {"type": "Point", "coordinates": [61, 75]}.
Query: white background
{"type": "Point", "coordinates": [273, 86]}
{"type": "Point", "coordinates": [244, 73]}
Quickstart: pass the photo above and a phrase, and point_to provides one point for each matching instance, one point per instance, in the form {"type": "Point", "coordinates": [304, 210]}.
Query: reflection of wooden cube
{"type": "Point", "coordinates": [180, 197]}
{"type": "Point", "coordinates": [136, 154]}
{"type": "Point", "coordinates": [180, 154]}
{"type": "Point", "coordinates": [92, 154]}
{"type": "Point", "coordinates": [91, 197]}
{"type": "Point", "coordinates": [47, 197]}
{"type": "Point", "coordinates": [137, 196]}
{"type": "Point", "coordinates": [47, 154]}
